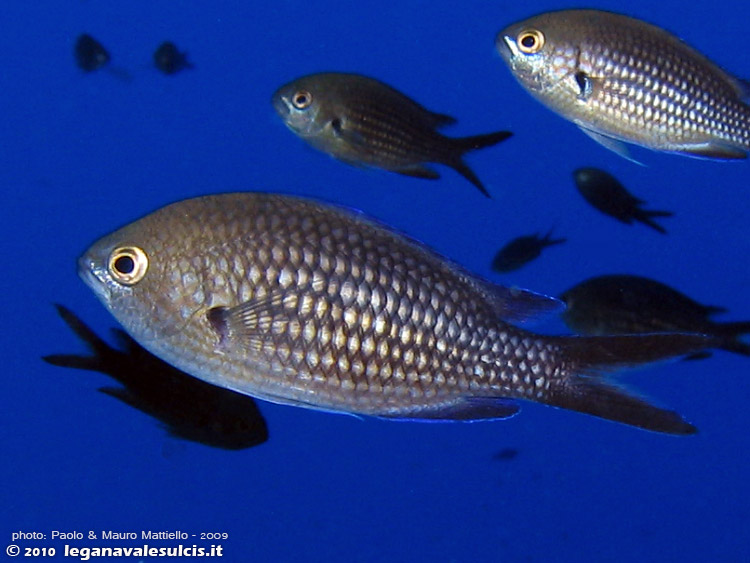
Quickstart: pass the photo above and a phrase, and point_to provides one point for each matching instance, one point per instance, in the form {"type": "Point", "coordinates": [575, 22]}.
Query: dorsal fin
{"type": "Point", "coordinates": [514, 304]}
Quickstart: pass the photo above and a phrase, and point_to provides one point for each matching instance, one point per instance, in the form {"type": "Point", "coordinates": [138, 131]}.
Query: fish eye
{"type": "Point", "coordinates": [530, 41]}
{"type": "Point", "coordinates": [302, 99]}
{"type": "Point", "coordinates": [127, 264]}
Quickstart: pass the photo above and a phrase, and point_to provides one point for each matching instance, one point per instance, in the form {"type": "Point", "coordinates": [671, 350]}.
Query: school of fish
{"type": "Point", "coordinates": [304, 303]}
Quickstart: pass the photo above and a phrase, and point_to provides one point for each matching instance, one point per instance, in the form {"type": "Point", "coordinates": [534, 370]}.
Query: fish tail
{"type": "Point", "coordinates": [646, 217]}
{"type": "Point", "coordinates": [586, 389]}
{"type": "Point", "coordinates": [462, 168]}
{"type": "Point", "coordinates": [98, 346]}
{"type": "Point", "coordinates": [732, 332]}
{"type": "Point", "coordinates": [466, 144]}
{"type": "Point", "coordinates": [549, 241]}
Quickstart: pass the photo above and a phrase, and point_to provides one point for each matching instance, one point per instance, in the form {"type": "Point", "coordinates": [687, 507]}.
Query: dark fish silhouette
{"type": "Point", "coordinates": [608, 195]}
{"type": "Point", "coordinates": [90, 54]}
{"type": "Point", "coordinates": [625, 304]}
{"type": "Point", "coordinates": [364, 122]}
{"type": "Point", "coordinates": [522, 250]}
{"type": "Point", "coordinates": [189, 408]}
{"type": "Point", "coordinates": [624, 80]}
{"type": "Point", "coordinates": [506, 454]}
{"type": "Point", "coordinates": [310, 305]}
{"type": "Point", "coordinates": [169, 60]}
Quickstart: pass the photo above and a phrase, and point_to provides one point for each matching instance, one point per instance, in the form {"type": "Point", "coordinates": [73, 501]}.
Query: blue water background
{"type": "Point", "coordinates": [85, 154]}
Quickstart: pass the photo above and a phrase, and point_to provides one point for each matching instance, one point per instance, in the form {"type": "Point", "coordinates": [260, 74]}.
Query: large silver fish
{"type": "Point", "coordinates": [365, 122]}
{"type": "Point", "coordinates": [306, 304]}
{"type": "Point", "coordinates": [621, 79]}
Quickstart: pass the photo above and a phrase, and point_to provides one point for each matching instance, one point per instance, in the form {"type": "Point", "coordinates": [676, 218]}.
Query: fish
{"type": "Point", "coordinates": [506, 454]}
{"type": "Point", "coordinates": [622, 80]}
{"type": "Point", "coordinates": [522, 250]}
{"type": "Point", "coordinates": [303, 303]}
{"type": "Point", "coordinates": [189, 409]}
{"type": "Point", "coordinates": [90, 54]}
{"type": "Point", "coordinates": [629, 304]}
{"type": "Point", "coordinates": [608, 195]}
{"type": "Point", "coordinates": [364, 122]}
{"type": "Point", "coordinates": [169, 60]}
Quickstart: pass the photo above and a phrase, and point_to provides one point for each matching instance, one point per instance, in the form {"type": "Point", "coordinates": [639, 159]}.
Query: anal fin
{"type": "Point", "coordinates": [466, 409]}
{"type": "Point", "coordinates": [418, 171]}
{"type": "Point", "coordinates": [714, 150]}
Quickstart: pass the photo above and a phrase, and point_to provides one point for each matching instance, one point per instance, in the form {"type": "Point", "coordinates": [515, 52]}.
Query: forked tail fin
{"type": "Point", "coordinates": [466, 144]}
{"type": "Point", "coordinates": [732, 331]}
{"type": "Point", "coordinates": [585, 387]}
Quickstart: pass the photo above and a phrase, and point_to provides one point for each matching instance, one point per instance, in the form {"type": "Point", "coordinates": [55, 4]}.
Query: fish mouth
{"type": "Point", "coordinates": [87, 272]}
{"type": "Point", "coordinates": [506, 46]}
{"type": "Point", "coordinates": [281, 105]}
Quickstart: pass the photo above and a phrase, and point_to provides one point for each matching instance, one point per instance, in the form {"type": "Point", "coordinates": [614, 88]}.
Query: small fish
{"type": "Point", "coordinates": [189, 408]}
{"type": "Point", "coordinates": [364, 122]}
{"type": "Point", "coordinates": [625, 304]}
{"type": "Point", "coordinates": [506, 454]}
{"type": "Point", "coordinates": [622, 79]}
{"type": "Point", "coordinates": [608, 195]}
{"type": "Point", "coordinates": [303, 303]}
{"type": "Point", "coordinates": [169, 60]}
{"type": "Point", "coordinates": [522, 250]}
{"type": "Point", "coordinates": [90, 54]}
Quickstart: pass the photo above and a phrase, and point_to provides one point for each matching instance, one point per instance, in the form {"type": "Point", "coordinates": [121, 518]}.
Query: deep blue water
{"type": "Point", "coordinates": [85, 154]}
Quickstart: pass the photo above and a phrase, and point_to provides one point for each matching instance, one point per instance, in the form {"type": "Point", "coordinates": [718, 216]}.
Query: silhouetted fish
{"type": "Point", "coordinates": [189, 408]}
{"type": "Point", "coordinates": [364, 122]}
{"type": "Point", "coordinates": [506, 454]}
{"type": "Point", "coordinates": [90, 54]}
{"type": "Point", "coordinates": [307, 304]}
{"type": "Point", "coordinates": [522, 250]}
{"type": "Point", "coordinates": [624, 304]}
{"type": "Point", "coordinates": [622, 79]}
{"type": "Point", "coordinates": [169, 60]}
{"type": "Point", "coordinates": [608, 195]}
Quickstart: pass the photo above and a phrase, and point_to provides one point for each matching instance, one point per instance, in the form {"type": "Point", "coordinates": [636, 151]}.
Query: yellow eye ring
{"type": "Point", "coordinates": [530, 41]}
{"type": "Point", "coordinates": [127, 264]}
{"type": "Point", "coordinates": [302, 99]}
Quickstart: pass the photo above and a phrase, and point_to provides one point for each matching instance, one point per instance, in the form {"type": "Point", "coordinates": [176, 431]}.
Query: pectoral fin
{"type": "Point", "coordinates": [347, 134]}
{"type": "Point", "coordinates": [615, 145]}
{"type": "Point", "coordinates": [251, 323]}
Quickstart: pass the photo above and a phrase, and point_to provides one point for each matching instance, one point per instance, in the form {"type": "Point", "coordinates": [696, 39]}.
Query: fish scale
{"type": "Point", "coordinates": [303, 303]}
{"type": "Point", "coordinates": [622, 79]}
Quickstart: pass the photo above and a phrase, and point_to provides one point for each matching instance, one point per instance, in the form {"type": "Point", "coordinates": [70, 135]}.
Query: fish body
{"type": "Point", "coordinates": [189, 408]}
{"type": "Point", "coordinates": [90, 54]}
{"type": "Point", "coordinates": [608, 195]}
{"type": "Point", "coordinates": [169, 60]}
{"type": "Point", "coordinates": [626, 304]}
{"type": "Point", "coordinates": [365, 122]}
{"type": "Point", "coordinates": [306, 304]}
{"type": "Point", "coordinates": [622, 79]}
{"type": "Point", "coordinates": [522, 250]}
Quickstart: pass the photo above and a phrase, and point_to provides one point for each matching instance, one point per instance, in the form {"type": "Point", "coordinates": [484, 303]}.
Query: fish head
{"type": "Point", "coordinates": [544, 56]}
{"type": "Point", "coordinates": [301, 106]}
{"type": "Point", "coordinates": [146, 277]}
